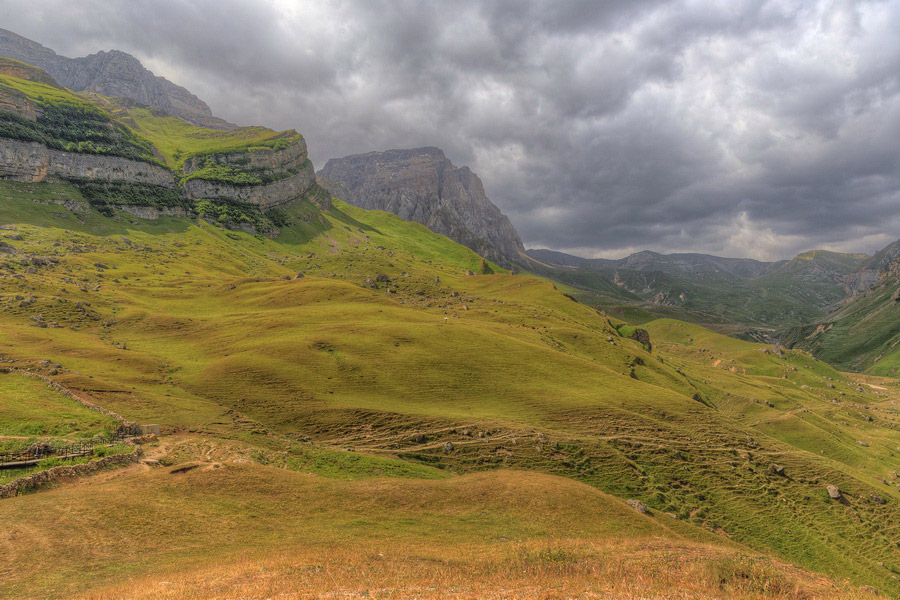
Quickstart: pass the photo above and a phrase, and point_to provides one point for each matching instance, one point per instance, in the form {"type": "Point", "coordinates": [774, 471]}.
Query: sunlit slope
{"type": "Point", "coordinates": [224, 511]}
{"type": "Point", "coordinates": [387, 345]}
{"type": "Point", "coordinates": [176, 139]}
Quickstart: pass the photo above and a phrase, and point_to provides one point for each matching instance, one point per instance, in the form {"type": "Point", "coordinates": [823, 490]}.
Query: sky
{"type": "Point", "coordinates": [735, 127]}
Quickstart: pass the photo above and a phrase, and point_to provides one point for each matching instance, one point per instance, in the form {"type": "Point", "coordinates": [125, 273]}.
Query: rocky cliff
{"type": "Point", "coordinates": [112, 73]}
{"type": "Point", "coordinates": [422, 185]}
{"type": "Point", "coordinates": [34, 162]}
{"type": "Point", "coordinates": [283, 175]}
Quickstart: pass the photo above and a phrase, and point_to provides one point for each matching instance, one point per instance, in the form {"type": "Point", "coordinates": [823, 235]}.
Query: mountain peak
{"type": "Point", "coordinates": [112, 73]}
{"type": "Point", "coordinates": [422, 185]}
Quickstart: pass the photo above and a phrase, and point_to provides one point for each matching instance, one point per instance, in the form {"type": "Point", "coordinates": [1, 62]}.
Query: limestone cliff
{"type": "Point", "coordinates": [284, 175]}
{"type": "Point", "coordinates": [422, 185]}
{"type": "Point", "coordinates": [34, 162]}
{"type": "Point", "coordinates": [112, 73]}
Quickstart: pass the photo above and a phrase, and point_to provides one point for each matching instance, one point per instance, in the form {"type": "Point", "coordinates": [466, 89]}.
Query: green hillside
{"type": "Point", "coordinates": [862, 335]}
{"type": "Point", "coordinates": [353, 386]}
{"type": "Point", "coordinates": [785, 294]}
{"type": "Point", "coordinates": [386, 338]}
{"type": "Point", "coordinates": [67, 122]}
{"type": "Point", "coordinates": [177, 140]}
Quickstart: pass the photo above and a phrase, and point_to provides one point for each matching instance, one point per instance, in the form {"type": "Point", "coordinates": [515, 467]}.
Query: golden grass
{"type": "Point", "coordinates": [653, 569]}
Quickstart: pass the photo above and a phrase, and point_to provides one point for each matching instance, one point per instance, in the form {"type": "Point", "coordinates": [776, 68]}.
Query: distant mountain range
{"type": "Point", "coordinates": [114, 74]}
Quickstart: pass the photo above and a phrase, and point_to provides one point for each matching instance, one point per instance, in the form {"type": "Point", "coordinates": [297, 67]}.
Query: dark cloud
{"type": "Point", "coordinates": [747, 127]}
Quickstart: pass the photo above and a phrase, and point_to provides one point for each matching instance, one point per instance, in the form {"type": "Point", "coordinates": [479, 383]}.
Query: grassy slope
{"type": "Point", "coordinates": [173, 138]}
{"type": "Point", "coordinates": [176, 140]}
{"type": "Point", "coordinates": [329, 536]}
{"type": "Point", "coordinates": [29, 408]}
{"type": "Point", "coordinates": [862, 335]}
{"type": "Point", "coordinates": [221, 341]}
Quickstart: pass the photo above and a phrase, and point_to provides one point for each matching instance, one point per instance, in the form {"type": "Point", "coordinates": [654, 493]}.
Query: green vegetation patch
{"type": "Point", "coordinates": [29, 408]}
{"type": "Point", "coordinates": [68, 123]}
{"type": "Point", "coordinates": [121, 193]}
{"type": "Point", "coordinates": [179, 140]}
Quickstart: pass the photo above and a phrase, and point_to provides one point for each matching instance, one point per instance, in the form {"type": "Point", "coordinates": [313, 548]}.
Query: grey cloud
{"type": "Point", "coordinates": [753, 127]}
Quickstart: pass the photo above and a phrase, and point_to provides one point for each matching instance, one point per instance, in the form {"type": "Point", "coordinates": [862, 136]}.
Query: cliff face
{"type": "Point", "coordinates": [422, 185]}
{"type": "Point", "coordinates": [266, 196]}
{"type": "Point", "coordinates": [34, 162]}
{"type": "Point", "coordinates": [289, 172]}
{"type": "Point", "coordinates": [114, 74]}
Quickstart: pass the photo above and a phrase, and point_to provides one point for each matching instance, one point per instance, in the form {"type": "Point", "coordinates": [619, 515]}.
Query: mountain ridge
{"type": "Point", "coordinates": [112, 73]}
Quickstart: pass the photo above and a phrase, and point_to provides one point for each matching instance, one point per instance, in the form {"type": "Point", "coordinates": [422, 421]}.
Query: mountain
{"type": "Point", "coordinates": [733, 294]}
{"type": "Point", "coordinates": [863, 334]}
{"type": "Point", "coordinates": [331, 403]}
{"type": "Point", "coordinates": [127, 156]}
{"type": "Point", "coordinates": [422, 185]}
{"type": "Point", "coordinates": [697, 267]}
{"type": "Point", "coordinates": [114, 74]}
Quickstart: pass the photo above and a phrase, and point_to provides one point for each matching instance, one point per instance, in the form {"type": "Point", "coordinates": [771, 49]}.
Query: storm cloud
{"type": "Point", "coordinates": [740, 128]}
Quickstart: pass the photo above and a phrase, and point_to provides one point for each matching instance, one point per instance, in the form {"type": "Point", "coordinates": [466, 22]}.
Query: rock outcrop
{"type": "Point", "coordinates": [34, 162]}
{"type": "Point", "coordinates": [265, 196]}
{"type": "Point", "coordinates": [289, 170]}
{"type": "Point", "coordinates": [422, 185]}
{"type": "Point", "coordinates": [112, 73]}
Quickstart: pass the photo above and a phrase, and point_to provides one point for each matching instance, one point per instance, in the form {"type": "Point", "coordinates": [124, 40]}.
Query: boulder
{"type": "Point", "coordinates": [833, 492]}
{"type": "Point", "coordinates": [642, 336]}
{"type": "Point", "coordinates": [776, 470]}
{"type": "Point", "coordinates": [448, 447]}
{"type": "Point", "coordinates": [639, 506]}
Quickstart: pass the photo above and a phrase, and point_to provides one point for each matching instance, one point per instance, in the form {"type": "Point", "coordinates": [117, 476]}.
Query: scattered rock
{"type": "Point", "coordinates": [639, 506]}
{"type": "Point", "coordinates": [869, 590]}
{"type": "Point", "coordinates": [776, 470]}
{"type": "Point", "coordinates": [151, 462]}
{"type": "Point", "coordinates": [382, 278]}
{"type": "Point", "coordinates": [299, 276]}
{"type": "Point", "coordinates": [419, 438]}
{"type": "Point", "coordinates": [833, 492]}
{"type": "Point", "coordinates": [862, 443]}
{"type": "Point", "coordinates": [878, 499]}
{"type": "Point", "coordinates": [184, 468]}
{"type": "Point", "coordinates": [642, 336]}
{"type": "Point", "coordinates": [6, 248]}
{"type": "Point", "coordinates": [448, 447]}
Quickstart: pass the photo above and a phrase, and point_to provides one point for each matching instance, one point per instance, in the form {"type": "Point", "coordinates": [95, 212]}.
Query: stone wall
{"type": "Point", "coordinates": [33, 162]}
{"type": "Point", "coordinates": [53, 475]}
